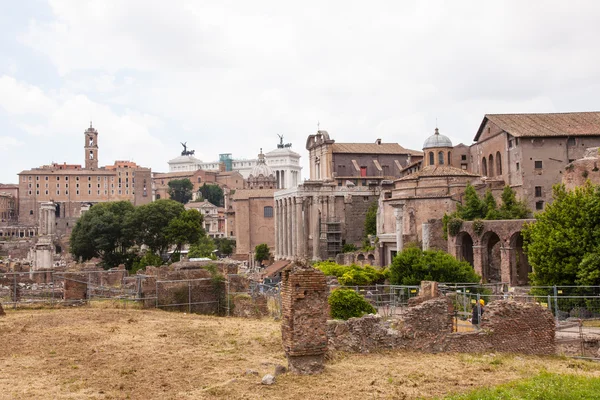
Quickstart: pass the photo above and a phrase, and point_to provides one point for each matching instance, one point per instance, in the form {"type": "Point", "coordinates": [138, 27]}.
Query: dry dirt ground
{"type": "Point", "coordinates": [100, 353]}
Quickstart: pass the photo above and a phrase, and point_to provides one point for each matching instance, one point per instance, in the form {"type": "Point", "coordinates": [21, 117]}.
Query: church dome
{"type": "Point", "coordinates": [437, 140]}
{"type": "Point", "coordinates": [261, 167]}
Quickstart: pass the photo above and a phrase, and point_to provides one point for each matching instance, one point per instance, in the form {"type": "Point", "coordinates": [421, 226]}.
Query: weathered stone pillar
{"type": "Point", "coordinates": [425, 233]}
{"type": "Point", "coordinates": [478, 261]}
{"type": "Point", "coordinates": [399, 214]}
{"type": "Point", "coordinates": [276, 215]}
{"type": "Point", "coordinates": [506, 274]}
{"type": "Point", "coordinates": [316, 231]}
{"type": "Point", "coordinates": [285, 229]}
{"type": "Point", "coordinates": [293, 224]}
{"type": "Point", "coordinates": [299, 228]}
{"type": "Point", "coordinates": [304, 295]}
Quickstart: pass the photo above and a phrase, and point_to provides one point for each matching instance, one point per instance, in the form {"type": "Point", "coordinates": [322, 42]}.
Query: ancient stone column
{"type": "Point", "coordinates": [284, 251]}
{"type": "Point", "coordinates": [425, 235]}
{"type": "Point", "coordinates": [293, 233]}
{"type": "Point", "coordinates": [299, 228]}
{"type": "Point", "coordinates": [399, 214]}
{"type": "Point", "coordinates": [507, 276]}
{"type": "Point", "coordinates": [316, 231]}
{"type": "Point", "coordinates": [277, 229]}
{"type": "Point", "coordinates": [304, 295]}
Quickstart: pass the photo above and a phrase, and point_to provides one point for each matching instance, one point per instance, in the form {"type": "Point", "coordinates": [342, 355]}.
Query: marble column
{"type": "Point", "coordinates": [425, 234]}
{"type": "Point", "coordinates": [293, 233]}
{"type": "Point", "coordinates": [399, 214]}
{"type": "Point", "coordinates": [277, 230]}
{"type": "Point", "coordinates": [316, 228]}
{"type": "Point", "coordinates": [299, 228]}
{"type": "Point", "coordinates": [284, 229]}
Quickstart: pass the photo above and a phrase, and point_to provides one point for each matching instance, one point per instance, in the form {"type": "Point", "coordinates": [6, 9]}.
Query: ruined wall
{"type": "Point", "coordinates": [507, 326]}
{"type": "Point", "coordinates": [75, 287]}
{"type": "Point", "coordinates": [2, 313]}
{"type": "Point", "coordinates": [304, 295]}
{"type": "Point", "coordinates": [247, 306]}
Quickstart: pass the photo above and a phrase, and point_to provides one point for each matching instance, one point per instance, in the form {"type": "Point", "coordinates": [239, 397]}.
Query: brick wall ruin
{"type": "Point", "coordinates": [2, 313]}
{"type": "Point", "coordinates": [507, 326]}
{"type": "Point", "coordinates": [76, 287]}
{"type": "Point", "coordinates": [304, 295]}
{"type": "Point", "coordinates": [247, 306]}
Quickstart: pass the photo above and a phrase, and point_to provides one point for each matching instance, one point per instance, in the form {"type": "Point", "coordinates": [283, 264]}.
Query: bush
{"type": "Point", "coordinates": [351, 275]}
{"type": "Point", "coordinates": [346, 303]}
{"type": "Point", "coordinates": [349, 248]}
{"type": "Point", "coordinates": [413, 265]}
{"type": "Point", "coordinates": [148, 259]}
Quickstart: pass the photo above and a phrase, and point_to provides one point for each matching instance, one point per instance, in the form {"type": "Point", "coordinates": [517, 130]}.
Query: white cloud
{"type": "Point", "coordinates": [61, 116]}
{"type": "Point", "coordinates": [7, 143]}
{"type": "Point", "coordinates": [229, 76]}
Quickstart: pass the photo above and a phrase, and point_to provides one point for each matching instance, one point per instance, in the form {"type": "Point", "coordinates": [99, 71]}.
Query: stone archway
{"type": "Point", "coordinates": [519, 265]}
{"type": "Point", "coordinates": [464, 243]}
{"type": "Point", "coordinates": [491, 257]}
{"type": "Point", "coordinates": [360, 259]}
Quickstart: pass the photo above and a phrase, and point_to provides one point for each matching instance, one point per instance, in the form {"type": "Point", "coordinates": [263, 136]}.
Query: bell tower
{"type": "Point", "coordinates": [91, 148]}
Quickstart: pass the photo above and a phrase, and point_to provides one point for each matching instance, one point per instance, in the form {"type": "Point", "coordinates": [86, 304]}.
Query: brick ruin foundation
{"type": "Point", "coordinates": [247, 306]}
{"type": "Point", "coordinates": [305, 311]}
{"type": "Point", "coordinates": [76, 287]}
{"type": "Point", "coordinates": [507, 326]}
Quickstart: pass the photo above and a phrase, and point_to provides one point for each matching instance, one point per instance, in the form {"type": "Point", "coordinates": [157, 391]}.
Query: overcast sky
{"type": "Point", "coordinates": [228, 76]}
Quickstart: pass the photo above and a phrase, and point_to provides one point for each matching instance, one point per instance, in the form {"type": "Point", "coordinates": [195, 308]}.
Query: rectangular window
{"type": "Point", "coordinates": [363, 171]}
{"type": "Point", "coordinates": [66, 192]}
{"type": "Point", "coordinates": [539, 205]}
{"type": "Point", "coordinates": [268, 212]}
{"type": "Point", "coordinates": [58, 192]}
{"type": "Point", "coordinates": [518, 166]}
{"type": "Point", "coordinates": [46, 178]}
{"type": "Point", "coordinates": [463, 157]}
{"type": "Point", "coordinates": [538, 191]}
{"type": "Point", "coordinates": [58, 178]}
{"type": "Point", "coordinates": [538, 164]}
{"type": "Point", "coordinates": [571, 142]}
{"type": "Point", "coordinates": [66, 178]}
{"type": "Point", "coordinates": [77, 193]}
{"type": "Point", "coordinates": [89, 178]}
{"type": "Point", "coordinates": [516, 141]}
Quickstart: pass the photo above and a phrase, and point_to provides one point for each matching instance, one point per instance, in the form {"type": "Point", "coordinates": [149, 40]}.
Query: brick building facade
{"type": "Point", "coordinates": [73, 187]}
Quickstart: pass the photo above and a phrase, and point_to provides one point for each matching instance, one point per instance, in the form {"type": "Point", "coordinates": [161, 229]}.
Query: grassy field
{"type": "Point", "coordinates": [149, 354]}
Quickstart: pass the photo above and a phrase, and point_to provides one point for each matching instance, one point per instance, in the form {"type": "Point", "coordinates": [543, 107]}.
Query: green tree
{"type": "Point", "coordinates": [563, 243]}
{"type": "Point", "coordinates": [212, 193]}
{"type": "Point", "coordinates": [371, 220]}
{"type": "Point", "coordinates": [346, 303]}
{"type": "Point", "coordinates": [103, 232]}
{"type": "Point", "coordinates": [204, 247]}
{"type": "Point", "coordinates": [512, 208]}
{"type": "Point", "coordinates": [225, 246]}
{"type": "Point", "coordinates": [150, 224]}
{"type": "Point", "coordinates": [351, 275]}
{"type": "Point", "coordinates": [185, 228]}
{"type": "Point", "coordinates": [181, 190]}
{"type": "Point", "coordinates": [413, 265]}
{"type": "Point", "coordinates": [472, 206]}
{"type": "Point", "coordinates": [262, 252]}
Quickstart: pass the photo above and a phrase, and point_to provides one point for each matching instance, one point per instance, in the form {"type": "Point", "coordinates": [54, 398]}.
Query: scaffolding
{"type": "Point", "coordinates": [332, 228]}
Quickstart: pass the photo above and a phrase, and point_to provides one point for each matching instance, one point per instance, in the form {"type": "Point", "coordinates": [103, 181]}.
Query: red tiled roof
{"type": "Point", "coordinates": [373, 148]}
{"type": "Point", "coordinates": [437, 170]}
{"type": "Point", "coordinates": [544, 125]}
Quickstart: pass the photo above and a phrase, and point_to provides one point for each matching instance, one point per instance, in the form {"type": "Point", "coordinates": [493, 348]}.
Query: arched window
{"type": "Point", "coordinates": [449, 158]}
{"type": "Point", "coordinates": [431, 158]}
{"type": "Point", "coordinates": [484, 167]}
{"type": "Point", "coordinates": [498, 163]}
{"type": "Point", "coordinates": [441, 158]}
{"type": "Point", "coordinates": [268, 212]}
{"type": "Point", "coordinates": [491, 165]}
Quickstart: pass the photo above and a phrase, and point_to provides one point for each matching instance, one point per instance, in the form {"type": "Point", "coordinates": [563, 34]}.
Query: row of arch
{"type": "Point", "coordinates": [495, 259]}
{"type": "Point", "coordinates": [485, 165]}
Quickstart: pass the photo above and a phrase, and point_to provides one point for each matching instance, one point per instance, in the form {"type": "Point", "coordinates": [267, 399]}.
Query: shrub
{"type": "Point", "coordinates": [351, 275]}
{"type": "Point", "coordinates": [413, 265]}
{"type": "Point", "coordinates": [478, 226]}
{"type": "Point", "coordinates": [346, 303]}
{"type": "Point", "coordinates": [349, 248]}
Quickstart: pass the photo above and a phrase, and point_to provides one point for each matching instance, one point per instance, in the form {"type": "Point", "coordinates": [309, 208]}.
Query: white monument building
{"type": "Point", "coordinates": [284, 162]}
